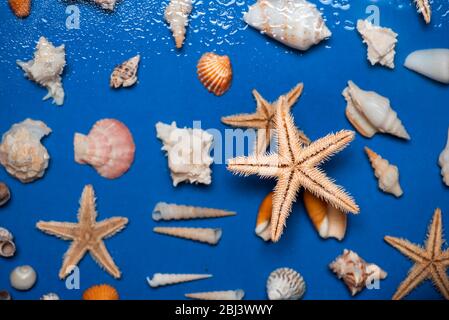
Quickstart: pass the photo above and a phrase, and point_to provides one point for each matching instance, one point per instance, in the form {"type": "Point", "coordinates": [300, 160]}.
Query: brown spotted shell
{"type": "Point", "coordinates": [215, 72]}
{"type": "Point", "coordinates": [125, 74]}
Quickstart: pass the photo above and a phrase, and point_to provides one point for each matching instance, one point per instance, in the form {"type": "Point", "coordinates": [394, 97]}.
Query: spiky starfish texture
{"type": "Point", "coordinates": [424, 8]}
{"type": "Point", "coordinates": [430, 261]}
{"type": "Point", "coordinates": [296, 166]}
{"type": "Point", "coordinates": [263, 118]}
{"type": "Point", "coordinates": [86, 235]}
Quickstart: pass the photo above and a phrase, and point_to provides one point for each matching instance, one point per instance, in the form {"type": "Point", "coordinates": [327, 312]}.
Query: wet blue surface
{"type": "Point", "coordinates": [168, 90]}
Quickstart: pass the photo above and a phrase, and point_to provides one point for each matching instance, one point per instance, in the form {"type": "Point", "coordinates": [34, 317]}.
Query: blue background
{"type": "Point", "coordinates": [168, 90]}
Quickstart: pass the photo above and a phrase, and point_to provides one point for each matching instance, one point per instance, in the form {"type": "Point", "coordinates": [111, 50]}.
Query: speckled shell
{"type": "Point", "coordinates": [7, 245]}
{"type": "Point", "coordinates": [217, 295]}
{"type": "Point", "coordinates": [164, 279]}
{"type": "Point", "coordinates": [109, 148]}
{"type": "Point", "coordinates": [101, 292]}
{"type": "Point", "coordinates": [167, 211]}
{"type": "Point", "coordinates": [177, 16]}
{"type": "Point", "coordinates": [285, 284]}
{"type": "Point", "coordinates": [215, 72]}
{"type": "Point", "coordinates": [21, 8]}
{"type": "Point", "coordinates": [125, 74]}
{"type": "Point", "coordinates": [443, 161]}
{"type": "Point", "coordinates": [5, 194]}
{"type": "Point", "coordinates": [21, 152]}
{"type": "Point", "coordinates": [206, 235]}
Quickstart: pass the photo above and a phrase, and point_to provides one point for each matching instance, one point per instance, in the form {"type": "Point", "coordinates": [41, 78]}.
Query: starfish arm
{"type": "Point", "coordinates": [315, 181]}
{"type": "Point", "coordinates": [412, 251]}
{"type": "Point", "coordinates": [264, 108]}
{"type": "Point", "coordinates": [263, 165]}
{"type": "Point", "coordinates": [444, 258]}
{"type": "Point", "coordinates": [294, 94]}
{"type": "Point", "coordinates": [73, 255]}
{"type": "Point", "coordinates": [434, 239]}
{"type": "Point", "coordinates": [63, 230]}
{"type": "Point", "coordinates": [101, 255]}
{"type": "Point", "coordinates": [87, 213]}
{"type": "Point", "coordinates": [246, 120]}
{"type": "Point", "coordinates": [109, 227]}
{"type": "Point", "coordinates": [417, 274]}
{"type": "Point", "coordinates": [440, 279]}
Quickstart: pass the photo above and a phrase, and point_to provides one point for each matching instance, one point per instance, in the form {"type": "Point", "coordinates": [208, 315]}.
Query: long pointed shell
{"type": "Point", "coordinates": [217, 295]}
{"type": "Point", "coordinates": [443, 161]}
{"type": "Point", "coordinates": [7, 246]}
{"type": "Point", "coordinates": [370, 112]}
{"type": "Point", "coordinates": [263, 222]}
{"type": "Point", "coordinates": [163, 279]}
{"type": "Point", "coordinates": [5, 194]}
{"type": "Point", "coordinates": [177, 16]}
{"type": "Point", "coordinates": [424, 8]}
{"type": "Point", "coordinates": [432, 63]}
{"type": "Point", "coordinates": [387, 173]}
{"type": "Point", "coordinates": [207, 235]}
{"type": "Point", "coordinates": [167, 211]}
{"type": "Point", "coordinates": [215, 72]}
{"type": "Point", "coordinates": [125, 74]}
{"type": "Point", "coordinates": [328, 221]}
{"type": "Point", "coordinates": [285, 284]}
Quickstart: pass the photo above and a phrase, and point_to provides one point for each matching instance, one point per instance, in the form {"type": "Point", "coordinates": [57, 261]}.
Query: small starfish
{"type": "Point", "coordinates": [430, 261]}
{"type": "Point", "coordinates": [263, 118]}
{"type": "Point", "coordinates": [86, 235]}
{"type": "Point", "coordinates": [295, 166]}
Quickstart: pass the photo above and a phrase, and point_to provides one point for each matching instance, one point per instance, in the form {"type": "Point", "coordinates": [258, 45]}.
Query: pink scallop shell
{"type": "Point", "coordinates": [109, 148]}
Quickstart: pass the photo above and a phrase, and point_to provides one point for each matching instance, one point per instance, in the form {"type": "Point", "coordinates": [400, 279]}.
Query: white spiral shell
{"type": "Point", "coordinates": [285, 284]}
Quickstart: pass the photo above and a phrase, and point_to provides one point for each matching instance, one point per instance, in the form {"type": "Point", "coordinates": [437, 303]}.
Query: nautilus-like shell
{"type": "Point", "coordinates": [263, 222]}
{"type": "Point", "coordinates": [21, 8]}
{"type": "Point", "coordinates": [177, 16]}
{"type": "Point", "coordinates": [7, 245]}
{"type": "Point", "coordinates": [125, 74]}
{"type": "Point", "coordinates": [206, 235]}
{"type": "Point", "coordinates": [443, 161]}
{"type": "Point", "coordinates": [109, 148]}
{"type": "Point", "coordinates": [21, 152]}
{"type": "Point", "coordinates": [285, 284]}
{"type": "Point", "coordinates": [432, 63]}
{"type": "Point", "coordinates": [164, 279]}
{"type": "Point", "coordinates": [167, 211]}
{"type": "Point", "coordinates": [217, 295]}
{"type": "Point", "coordinates": [101, 292]}
{"type": "Point", "coordinates": [5, 194]}
{"type": "Point", "coordinates": [215, 72]}
{"type": "Point", "coordinates": [370, 113]}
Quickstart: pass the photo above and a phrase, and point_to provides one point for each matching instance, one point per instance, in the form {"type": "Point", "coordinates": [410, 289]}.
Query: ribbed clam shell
{"type": "Point", "coordinates": [206, 235]}
{"type": "Point", "coordinates": [164, 279]}
{"type": "Point", "coordinates": [7, 245]}
{"type": "Point", "coordinates": [217, 295]}
{"type": "Point", "coordinates": [125, 74]}
{"type": "Point", "coordinates": [167, 211]}
{"type": "Point", "coordinates": [215, 72]}
{"type": "Point", "coordinates": [285, 284]}
{"type": "Point", "coordinates": [101, 292]}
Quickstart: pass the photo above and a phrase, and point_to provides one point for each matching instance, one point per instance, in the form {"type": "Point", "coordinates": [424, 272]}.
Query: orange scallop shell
{"type": "Point", "coordinates": [101, 292]}
{"type": "Point", "coordinates": [215, 72]}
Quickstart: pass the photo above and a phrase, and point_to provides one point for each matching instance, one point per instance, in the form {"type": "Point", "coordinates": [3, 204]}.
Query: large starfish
{"type": "Point", "coordinates": [296, 166]}
{"type": "Point", "coordinates": [430, 261]}
{"type": "Point", "coordinates": [86, 235]}
{"type": "Point", "coordinates": [263, 118]}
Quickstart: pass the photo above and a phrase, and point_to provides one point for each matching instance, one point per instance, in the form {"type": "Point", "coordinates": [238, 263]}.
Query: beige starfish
{"type": "Point", "coordinates": [86, 235]}
{"type": "Point", "coordinates": [263, 118]}
{"type": "Point", "coordinates": [424, 8]}
{"type": "Point", "coordinates": [296, 166]}
{"type": "Point", "coordinates": [430, 261]}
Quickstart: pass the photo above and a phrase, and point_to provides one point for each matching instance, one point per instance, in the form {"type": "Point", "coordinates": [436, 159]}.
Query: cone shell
{"type": "Point", "coordinates": [109, 148]}
{"type": "Point", "coordinates": [7, 246]}
{"type": "Point", "coordinates": [21, 8]}
{"type": "Point", "coordinates": [328, 221]}
{"type": "Point", "coordinates": [217, 295]}
{"type": "Point", "coordinates": [167, 211]}
{"type": "Point", "coordinates": [443, 161]}
{"type": "Point", "coordinates": [5, 194]}
{"type": "Point", "coordinates": [177, 16]}
{"type": "Point", "coordinates": [101, 292]}
{"type": "Point", "coordinates": [207, 235]}
{"type": "Point", "coordinates": [125, 74]}
{"type": "Point", "coordinates": [431, 63]}
{"type": "Point", "coordinates": [263, 222]}
{"type": "Point", "coordinates": [215, 72]}
{"type": "Point", "coordinates": [163, 279]}
{"type": "Point", "coordinates": [285, 284]}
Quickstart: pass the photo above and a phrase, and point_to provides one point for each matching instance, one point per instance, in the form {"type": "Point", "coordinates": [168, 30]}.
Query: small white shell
{"type": "Point", "coordinates": [7, 246]}
{"type": "Point", "coordinates": [443, 161]}
{"type": "Point", "coordinates": [207, 235]}
{"type": "Point", "coordinates": [50, 296]}
{"type": "Point", "coordinates": [285, 284]}
{"type": "Point", "coordinates": [432, 63]}
{"type": "Point", "coordinates": [218, 295]}
{"type": "Point", "coordinates": [23, 278]}
{"type": "Point", "coordinates": [167, 211]}
{"type": "Point", "coordinates": [163, 279]}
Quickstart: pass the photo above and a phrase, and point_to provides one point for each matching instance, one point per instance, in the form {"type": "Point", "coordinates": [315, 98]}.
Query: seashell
{"type": "Point", "coordinates": [207, 235]}
{"type": "Point", "coordinates": [167, 211]}
{"type": "Point", "coordinates": [23, 278]}
{"type": "Point", "coordinates": [217, 295]}
{"type": "Point", "coordinates": [380, 41]}
{"type": "Point", "coordinates": [46, 69]}
{"type": "Point", "coordinates": [21, 152]}
{"type": "Point", "coordinates": [285, 284]}
{"type": "Point", "coordinates": [4, 295]}
{"type": "Point", "coordinates": [109, 148]}
{"type": "Point", "coordinates": [424, 8]}
{"type": "Point", "coordinates": [163, 279]}
{"type": "Point", "coordinates": [125, 74]}
{"type": "Point", "coordinates": [432, 63]}
{"type": "Point", "coordinates": [263, 222]}
{"type": "Point", "coordinates": [328, 221]}
{"type": "Point", "coordinates": [5, 194]}
{"type": "Point", "coordinates": [355, 272]}
{"type": "Point", "coordinates": [387, 173]}
{"type": "Point", "coordinates": [295, 23]}
{"type": "Point", "coordinates": [215, 72]}
{"type": "Point", "coordinates": [101, 292]}
{"type": "Point", "coordinates": [7, 245]}
{"type": "Point", "coordinates": [370, 113]}
{"type": "Point", "coordinates": [21, 8]}
{"type": "Point", "coordinates": [177, 15]}
{"type": "Point", "coordinates": [50, 296]}
{"type": "Point", "coordinates": [106, 4]}
{"type": "Point", "coordinates": [443, 161]}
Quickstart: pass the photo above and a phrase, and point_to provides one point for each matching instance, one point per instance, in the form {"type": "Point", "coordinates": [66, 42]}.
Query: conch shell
{"type": "Point", "coordinates": [164, 279]}
{"type": "Point", "coordinates": [206, 235]}
{"type": "Point", "coordinates": [125, 74]}
{"type": "Point", "coordinates": [295, 23]}
{"type": "Point", "coordinates": [101, 292]}
{"type": "Point", "coordinates": [328, 221]}
{"type": "Point", "coordinates": [217, 295]}
{"type": "Point", "coordinates": [424, 8]}
{"type": "Point", "coordinates": [166, 211]}
{"type": "Point", "coordinates": [46, 69]}
{"type": "Point", "coordinates": [443, 161]}
{"type": "Point", "coordinates": [263, 222]}
{"type": "Point", "coordinates": [387, 173]}
{"type": "Point", "coordinates": [215, 72]}
{"type": "Point", "coordinates": [177, 16]}
{"type": "Point", "coordinates": [370, 113]}
{"type": "Point", "coordinates": [109, 148]}
{"type": "Point", "coordinates": [5, 194]}
{"type": "Point", "coordinates": [432, 63]}
{"type": "Point", "coordinates": [7, 246]}
{"type": "Point", "coordinates": [285, 284]}
{"type": "Point", "coordinates": [21, 152]}
{"type": "Point", "coordinates": [21, 8]}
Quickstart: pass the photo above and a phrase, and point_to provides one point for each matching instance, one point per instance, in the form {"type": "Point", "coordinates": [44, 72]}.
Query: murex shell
{"type": "Point", "coordinates": [370, 113]}
{"type": "Point", "coordinates": [432, 63]}
{"type": "Point", "coordinates": [285, 284]}
{"type": "Point", "coordinates": [177, 16]}
{"type": "Point", "coordinates": [215, 72]}
{"type": "Point", "coordinates": [167, 211]}
{"type": "Point", "coordinates": [109, 148]}
{"type": "Point", "coordinates": [295, 23]}
{"type": "Point", "coordinates": [7, 246]}
{"type": "Point", "coordinates": [443, 161]}
{"type": "Point", "coordinates": [125, 74]}
{"type": "Point", "coordinates": [21, 152]}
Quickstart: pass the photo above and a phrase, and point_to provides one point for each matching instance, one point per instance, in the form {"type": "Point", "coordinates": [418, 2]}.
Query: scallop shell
{"type": "Point", "coordinates": [50, 296]}
{"type": "Point", "coordinates": [443, 161]}
{"type": "Point", "coordinates": [125, 74]}
{"type": "Point", "coordinates": [5, 194]}
{"type": "Point", "coordinates": [167, 211]}
{"type": "Point", "coordinates": [424, 8]}
{"type": "Point", "coordinates": [387, 174]}
{"type": "Point", "coordinates": [370, 113]}
{"type": "Point", "coordinates": [432, 63]}
{"type": "Point", "coordinates": [177, 16]}
{"type": "Point", "coordinates": [23, 278]}
{"type": "Point", "coordinates": [109, 148]}
{"type": "Point", "coordinates": [218, 295]}
{"type": "Point", "coordinates": [21, 152]}
{"type": "Point", "coordinates": [4, 295]}
{"type": "Point", "coordinates": [207, 235]}
{"type": "Point", "coordinates": [328, 221]}
{"type": "Point", "coordinates": [101, 292]}
{"type": "Point", "coordinates": [285, 284]}
{"type": "Point", "coordinates": [21, 8]}
{"type": "Point", "coordinates": [7, 245]}
{"type": "Point", "coordinates": [263, 222]}
{"type": "Point", "coordinates": [215, 72]}
{"type": "Point", "coordinates": [163, 279]}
